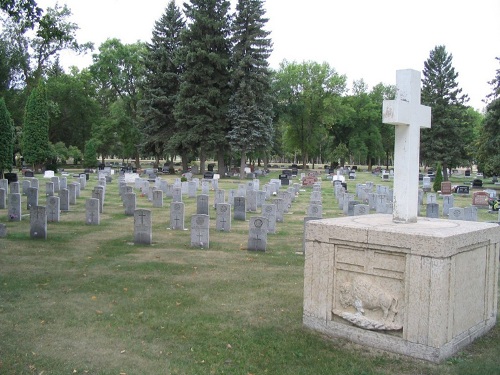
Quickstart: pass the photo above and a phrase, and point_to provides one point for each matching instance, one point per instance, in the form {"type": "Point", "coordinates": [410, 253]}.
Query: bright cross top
{"type": "Point", "coordinates": [408, 116]}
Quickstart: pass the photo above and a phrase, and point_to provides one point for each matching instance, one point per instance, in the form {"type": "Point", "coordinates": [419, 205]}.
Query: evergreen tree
{"type": "Point", "coordinates": [444, 141]}
{"type": "Point", "coordinates": [162, 80]}
{"type": "Point", "coordinates": [250, 106]}
{"type": "Point", "coordinates": [6, 138]}
{"type": "Point", "coordinates": [36, 147]}
{"type": "Point", "coordinates": [438, 179]}
{"type": "Point", "coordinates": [201, 111]}
{"type": "Point", "coordinates": [488, 157]}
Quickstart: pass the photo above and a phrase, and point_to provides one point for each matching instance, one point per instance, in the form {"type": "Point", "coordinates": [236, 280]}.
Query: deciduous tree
{"type": "Point", "coordinates": [6, 138]}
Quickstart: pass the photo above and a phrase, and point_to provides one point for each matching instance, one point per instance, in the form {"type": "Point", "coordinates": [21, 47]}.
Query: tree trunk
{"type": "Point", "coordinates": [203, 159]}
{"type": "Point", "coordinates": [137, 160]}
{"type": "Point", "coordinates": [445, 172]}
{"type": "Point", "coordinates": [184, 162]}
{"type": "Point", "coordinates": [304, 160]}
{"type": "Point", "coordinates": [221, 164]}
{"type": "Point", "coordinates": [243, 163]}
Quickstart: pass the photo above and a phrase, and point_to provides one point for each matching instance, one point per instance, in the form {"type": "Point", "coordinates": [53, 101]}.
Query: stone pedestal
{"type": "Point", "coordinates": [424, 289]}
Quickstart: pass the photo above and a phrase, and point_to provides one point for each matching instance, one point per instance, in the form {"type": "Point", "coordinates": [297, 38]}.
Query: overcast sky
{"type": "Point", "coordinates": [368, 39]}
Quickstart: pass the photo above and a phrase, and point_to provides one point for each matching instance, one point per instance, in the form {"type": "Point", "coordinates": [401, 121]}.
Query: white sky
{"type": "Point", "coordinates": [368, 39]}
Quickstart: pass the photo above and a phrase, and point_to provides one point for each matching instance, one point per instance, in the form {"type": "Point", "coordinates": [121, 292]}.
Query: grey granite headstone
{"type": "Point", "coordinates": [251, 200]}
{"type": "Point", "coordinates": [56, 182]}
{"type": "Point", "coordinates": [447, 204]}
{"type": "Point", "coordinates": [49, 188]}
{"type": "Point", "coordinates": [98, 193]}
{"type": "Point", "coordinates": [63, 183]}
{"type": "Point", "coordinates": [432, 210]}
{"type": "Point", "coordinates": [205, 187]}
{"type": "Point", "coordinates": [230, 196]}
{"type": "Point", "coordinates": [4, 184]}
{"type": "Point", "coordinates": [361, 209]}
{"type": "Point", "coordinates": [470, 213]}
{"type": "Point", "coordinates": [129, 202]}
{"type": "Point", "coordinates": [200, 233]}
{"type": "Point", "coordinates": [3, 229]}
{"type": "Point", "coordinates": [177, 216]}
{"type": "Point", "coordinates": [38, 222]}
{"type": "Point", "coordinates": [64, 199]}
{"type": "Point", "coordinates": [3, 199]}
{"type": "Point", "coordinates": [257, 235]}
{"type": "Point", "coordinates": [240, 208]}
{"type": "Point", "coordinates": [456, 213]}
{"type": "Point", "coordinates": [315, 210]}
{"type": "Point", "coordinates": [350, 207]}
{"type": "Point", "coordinates": [77, 191]}
{"type": "Point", "coordinates": [26, 184]}
{"type": "Point", "coordinates": [14, 212]}
{"type": "Point", "coordinates": [280, 209]}
{"type": "Point", "coordinates": [143, 229]}
{"type": "Point", "coordinates": [157, 198]}
{"type": "Point", "coordinates": [223, 217]}
{"type": "Point", "coordinates": [192, 189]}
{"type": "Point", "coordinates": [177, 194]}
{"type": "Point", "coordinates": [219, 197]}
{"type": "Point", "coordinates": [261, 198]}
{"type": "Point", "coordinates": [32, 198]}
{"type": "Point", "coordinates": [53, 209]}
{"type": "Point", "coordinates": [431, 198]}
{"type": "Point", "coordinates": [381, 203]}
{"type": "Point", "coordinates": [316, 196]}
{"type": "Point", "coordinates": [14, 188]}
{"type": "Point", "coordinates": [83, 181]}
{"type": "Point", "coordinates": [202, 204]}
{"type": "Point", "coordinates": [34, 182]}
{"type": "Point", "coordinates": [72, 193]}
{"type": "Point", "coordinates": [269, 212]}
{"type": "Point", "coordinates": [92, 215]}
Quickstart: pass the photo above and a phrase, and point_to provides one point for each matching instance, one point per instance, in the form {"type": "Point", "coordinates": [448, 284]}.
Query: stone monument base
{"type": "Point", "coordinates": [424, 290]}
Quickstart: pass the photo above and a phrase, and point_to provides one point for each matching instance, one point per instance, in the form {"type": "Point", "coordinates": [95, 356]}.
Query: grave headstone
{"type": "Point", "coordinates": [98, 193]}
{"type": "Point", "coordinates": [202, 204]}
{"type": "Point", "coordinates": [64, 199]}
{"type": "Point", "coordinates": [55, 181]}
{"type": "Point", "coordinates": [352, 204]}
{"type": "Point", "coordinates": [3, 229]}
{"type": "Point", "coordinates": [200, 232]}
{"type": "Point", "coordinates": [157, 198]}
{"type": "Point", "coordinates": [426, 184]}
{"type": "Point", "coordinates": [177, 194]}
{"type": "Point", "coordinates": [129, 202]}
{"type": "Point", "coordinates": [32, 198]}
{"type": "Point", "coordinates": [219, 197]}
{"type": "Point", "coordinates": [361, 209]}
{"type": "Point", "coordinates": [431, 198]}
{"type": "Point", "coordinates": [53, 209]}
{"type": "Point", "coordinates": [284, 179]}
{"type": "Point", "coordinates": [14, 187]}
{"type": "Point", "coordinates": [462, 189]}
{"type": "Point", "coordinates": [38, 222]}
{"type": "Point", "coordinates": [470, 213]}
{"type": "Point", "coordinates": [92, 215]}
{"type": "Point", "coordinates": [446, 187]}
{"type": "Point", "coordinates": [3, 199]}
{"type": "Point", "coordinates": [72, 193]}
{"type": "Point", "coordinates": [192, 187]}
{"type": "Point", "coordinates": [315, 210]}
{"type": "Point", "coordinates": [269, 212]}
{"type": "Point", "coordinates": [257, 236]}
{"type": "Point", "coordinates": [143, 227]}
{"type": "Point", "coordinates": [448, 201]}
{"type": "Point", "coordinates": [63, 183]}
{"type": "Point", "coordinates": [49, 188]}
{"type": "Point", "coordinates": [4, 184]}
{"type": "Point", "coordinates": [177, 216]}
{"type": "Point", "coordinates": [280, 209]}
{"type": "Point", "coordinates": [14, 212]}
{"type": "Point", "coordinates": [251, 200]}
{"type": "Point", "coordinates": [26, 184]}
{"type": "Point", "coordinates": [456, 213]}
{"type": "Point", "coordinates": [223, 217]}
{"type": "Point", "coordinates": [480, 199]}
{"type": "Point", "coordinates": [205, 187]}
{"type": "Point", "coordinates": [240, 211]}
{"type": "Point", "coordinates": [432, 210]}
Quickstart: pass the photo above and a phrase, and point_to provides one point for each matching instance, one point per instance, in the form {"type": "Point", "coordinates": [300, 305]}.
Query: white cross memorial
{"type": "Point", "coordinates": [408, 116]}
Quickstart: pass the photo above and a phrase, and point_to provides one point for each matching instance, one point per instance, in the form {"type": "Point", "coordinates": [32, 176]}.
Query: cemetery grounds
{"type": "Point", "coordinates": [88, 301]}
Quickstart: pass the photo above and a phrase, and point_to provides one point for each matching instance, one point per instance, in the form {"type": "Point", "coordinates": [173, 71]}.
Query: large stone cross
{"type": "Point", "coordinates": [408, 116]}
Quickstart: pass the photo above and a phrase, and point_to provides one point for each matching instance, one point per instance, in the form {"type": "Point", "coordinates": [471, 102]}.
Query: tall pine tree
{"type": "Point", "coordinates": [250, 105]}
{"type": "Point", "coordinates": [36, 147]}
{"type": "Point", "coordinates": [201, 111]}
{"type": "Point", "coordinates": [444, 141]}
{"type": "Point", "coordinates": [162, 81]}
{"type": "Point", "coordinates": [6, 138]}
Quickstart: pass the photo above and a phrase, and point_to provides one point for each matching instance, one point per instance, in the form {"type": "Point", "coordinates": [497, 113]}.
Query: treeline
{"type": "Point", "coordinates": [202, 88]}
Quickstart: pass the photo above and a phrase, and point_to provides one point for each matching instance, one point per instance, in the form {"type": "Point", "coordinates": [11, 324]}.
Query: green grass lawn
{"type": "Point", "coordinates": [88, 301]}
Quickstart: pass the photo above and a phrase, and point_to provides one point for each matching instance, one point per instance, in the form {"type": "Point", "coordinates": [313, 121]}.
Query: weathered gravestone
{"type": "Point", "coordinates": [32, 197]}
{"type": "Point", "coordinates": [470, 213]}
{"type": "Point", "coordinates": [98, 193]}
{"type": "Point", "coordinates": [200, 232]}
{"type": "Point", "coordinates": [480, 199]}
{"type": "Point", "coordinates": [446, 188]}
{"type": "Point", "coordinates": [219, 197]}
{"type": "Point", "coordinates": [448, 201]}
{"type": "Point", "coordinates": [64, 199]}
{"type": "Point", "coordinates": [14, 187]}
{"type": "Point", "coordinates": [456, 213]}
{"type": "Point", "coordinates": [251, 200]}
{"type": "Point", "coordinates": [38, 222]}
{"type": "Point", "coordinates": [202, 204]}
{"type": "Point", "coordinates": [223, 217]}
{"type": "Point", "coordinates": [3, 230]}
{"type": "Point", "coordinates": [414, 286]}
{"type": "Point", "coordinates": [426, 184]}
{"type": "Point", "coordinates": [432, 210]}
{"type": "Point", "coordinates": [72, 193]}
{"type": "Point", "coordinates": [26, 184]}
{"type": "Point", "coordinates": [3, 199]}
{"type": "Point", "coordinates": [53, 209]}
{"type": "Point", "coordinates": [157, 198]}
{"type": "Point", "coordinates": [240, 212]}
{"type": "Point", "coordinates": [177, 216]}
{"type": "Point", "coordinates": [269, 212]}
{"type": "Point", "coordinates": [92, 213]}
{"type": "Point", "coordinates": [177, 194]}
{"type": "Point", "coordinates": [280, 209]}
{"type": "Point", "coordinates": [143, 227]}
{"type": "Point", "coordinates": [129, 202]}
{"type": "Point", "coordinates": [361, 209]}
{"type": "Point", "coordinates": [315, 211]}
{"type": "Point", "coordinates": [14, 207]}
{"type": "Point", "coordinates": [49, 188]}
{"type": "Point", "coordinates": [257, 235]}
{"type": "Point", "coordinates": [55, 181]}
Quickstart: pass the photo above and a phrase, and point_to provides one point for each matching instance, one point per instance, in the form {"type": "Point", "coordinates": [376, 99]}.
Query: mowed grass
{"type": "Point", "coordinates": [89, 301]}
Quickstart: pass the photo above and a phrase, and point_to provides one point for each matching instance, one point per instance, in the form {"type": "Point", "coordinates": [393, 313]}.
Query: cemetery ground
{"type": "Point", "coordinates": [88, 301]}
